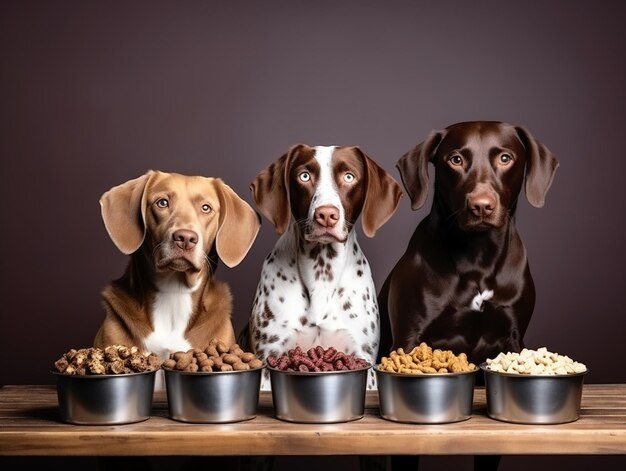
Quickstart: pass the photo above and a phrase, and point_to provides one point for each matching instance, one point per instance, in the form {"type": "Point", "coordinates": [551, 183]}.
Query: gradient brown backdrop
{"type": "Point", "coordinates": [95, 93]}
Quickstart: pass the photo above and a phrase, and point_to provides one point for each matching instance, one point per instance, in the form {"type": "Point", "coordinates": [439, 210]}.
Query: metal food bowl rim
{"type": "Point", "coordinates": [483, 366]}
{"type": "Point", "coordinates": [210, 373]}
{"type": "Point", "coordinates": [425, 375]}
{"type": "Point", "coordinates": [96, 376]}
{"type": "Point", "coordinates": [317, 373]}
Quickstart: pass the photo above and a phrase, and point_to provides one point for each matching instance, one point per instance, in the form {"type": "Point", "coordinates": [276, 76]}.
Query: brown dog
{"type": "Point", "coordinates": [173, 227]}
{"type": "Point", "coordinates": [464, 283]}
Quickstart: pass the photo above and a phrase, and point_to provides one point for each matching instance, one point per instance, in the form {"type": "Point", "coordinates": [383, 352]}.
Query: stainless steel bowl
{"type": "Point", "coordinates": [105, 399]}
{"type": "Point", "coordinates": [533, 399]}
{"type": "Point", "coordinates": [213, 397]}
{"type": "Point", "coordinates": [318, 397]}
{"type": "Point", "coordinates": [432, 398]}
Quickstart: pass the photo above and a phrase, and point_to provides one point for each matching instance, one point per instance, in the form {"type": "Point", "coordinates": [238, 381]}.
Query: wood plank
{"type": "Point", "coordinates": [30, 426]}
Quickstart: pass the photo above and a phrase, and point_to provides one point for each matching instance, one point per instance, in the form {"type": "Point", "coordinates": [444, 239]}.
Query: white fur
{"type": "Point", "coordinates": [477, 301]}
{"type": "Point", "coordinates": [341, 310]}
{"type": "Point", "coordinates": [170, 316]}
{"type": "Point", "coordinates": [326, 191]}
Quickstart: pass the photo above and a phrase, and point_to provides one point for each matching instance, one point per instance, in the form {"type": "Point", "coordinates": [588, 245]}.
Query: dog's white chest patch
{"type": "Point", "coordinates": [170, 316]}
{"type": "Point", "coordinates": [477, 301]}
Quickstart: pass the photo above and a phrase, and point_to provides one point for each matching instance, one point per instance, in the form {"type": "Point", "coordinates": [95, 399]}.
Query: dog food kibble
{"type": "Point", "coordinates": [316, 359]}
{"type": "Point", "coordinates": [112, 360]}
{"type": "Point", "coordinates": [535, 362]}
{"type": "Point", "coordinates": [423, 359]}
{"type": "Point", "coordinates": [216, 357]}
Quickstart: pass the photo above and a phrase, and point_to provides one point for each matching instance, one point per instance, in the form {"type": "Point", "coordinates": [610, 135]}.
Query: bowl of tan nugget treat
{"type": "Point", "coordinates": [108, 386]}
{"type": "Point", "coordinates": [217, 385]}
{"type": "Point", "coordinates": [425, 386]}
{"type": "Point", "coordinates": [533, 387]}
{"type": "Point", "coordinates": [318, 385]}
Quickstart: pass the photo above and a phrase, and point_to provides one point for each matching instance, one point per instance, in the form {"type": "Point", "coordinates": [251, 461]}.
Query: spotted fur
{"type": "Point", "coordinates": [316, 286]}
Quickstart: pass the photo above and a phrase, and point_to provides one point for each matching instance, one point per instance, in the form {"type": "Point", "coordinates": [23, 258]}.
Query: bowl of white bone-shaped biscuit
{"type": "Point", "coordinates": [533, 387]}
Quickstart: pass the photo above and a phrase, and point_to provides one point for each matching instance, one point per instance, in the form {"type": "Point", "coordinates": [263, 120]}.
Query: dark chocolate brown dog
{"type": "Point", "coordinates": [464, 283]}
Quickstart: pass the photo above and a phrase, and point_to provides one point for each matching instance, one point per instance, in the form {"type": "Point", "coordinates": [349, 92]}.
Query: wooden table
{"type": "Point", "coordinates": [30, 426]}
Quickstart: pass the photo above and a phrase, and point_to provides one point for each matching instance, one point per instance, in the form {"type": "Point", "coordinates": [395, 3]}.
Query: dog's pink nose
{"type": "Point", "coordinates": [482, 204]}
{"type": "Point", "coordinates": [326, 215]}
{"type": "Point", "coordinates": [185, 239]}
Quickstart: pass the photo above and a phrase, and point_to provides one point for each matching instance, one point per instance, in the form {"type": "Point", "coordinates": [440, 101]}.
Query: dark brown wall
{"type": "Point", "coordinates": [95, 93]}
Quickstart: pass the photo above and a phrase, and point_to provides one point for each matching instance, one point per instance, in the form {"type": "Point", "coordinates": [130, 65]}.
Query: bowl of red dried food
{"type": "Point", "coordinates": [108, 386]}
{"type": "Point", "coordinates": [321, 385]}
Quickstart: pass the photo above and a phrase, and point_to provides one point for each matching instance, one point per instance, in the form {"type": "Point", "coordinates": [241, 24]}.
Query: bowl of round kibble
{"type": "Point", "coordinates": [425, 386]}
{"type": "Point", "coordinates": [108, 386]}
{"type": "Point", "coordinates": [217, 385]}
{"type": "Point", "coordinates": [321, 385]}
{"type": "Point", "coordinates": [533, 387]}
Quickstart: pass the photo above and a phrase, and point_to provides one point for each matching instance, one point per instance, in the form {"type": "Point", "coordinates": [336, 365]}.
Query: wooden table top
{"type": "Point", "coordinates": [30, 426]}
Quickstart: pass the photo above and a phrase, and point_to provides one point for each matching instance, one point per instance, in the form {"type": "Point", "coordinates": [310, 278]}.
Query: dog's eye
{"type": "Point", "coordinates": [304, 177]}
{"type": "Point", "coordinates": [162, 203]}
{"type": "Point", "coordinates": [505, 159]}
{"type": "Point", "coordinates": [206, 208]}
{"type": "Point", "coordinates": [456, 159]}
{"type": "Point", "coordinates": [349, 177]}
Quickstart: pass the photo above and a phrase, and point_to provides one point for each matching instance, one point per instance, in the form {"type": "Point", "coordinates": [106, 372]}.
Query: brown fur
{"type": "Point", "coordinates": [467, 244]}
{"type": "Point", "coordinates": [157, 240]}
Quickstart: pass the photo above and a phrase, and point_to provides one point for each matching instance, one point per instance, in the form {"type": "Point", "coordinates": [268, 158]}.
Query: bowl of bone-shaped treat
{"type": "Point", "coordinates": [105, 386]}
{"type": "Point", "coordinates": [533, 387]}
{"type": "Point", "coordinates": [217, 385]}
{"type": "Point", "coordinates": [320, 385]}
{"type": "Point", "coordinates": [425, 385]}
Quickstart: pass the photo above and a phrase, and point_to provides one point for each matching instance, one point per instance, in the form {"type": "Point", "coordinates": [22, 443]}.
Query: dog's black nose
{"type": "Point", "coordinates": [185, 239]}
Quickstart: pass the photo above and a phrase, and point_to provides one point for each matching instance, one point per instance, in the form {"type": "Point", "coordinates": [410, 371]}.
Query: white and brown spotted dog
{"type": "Point", "coordinates": [316, 286]}
{"type": "Point", "coordinates": [174, 227]}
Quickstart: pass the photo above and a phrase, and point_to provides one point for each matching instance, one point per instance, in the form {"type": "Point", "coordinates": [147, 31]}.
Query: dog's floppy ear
{"type": "Point", "coordinates": [541, 166]}
{"type": "Point", "coordinates": [123, 212]}
{"type": "Point", "coordinates": [382, 196]}
{"type": "Point", "coordinates": [239, 225]}
{"type": "Point", "coordinates": [270, 190]}
{"type": "Point", "coordinates": [413, 168]}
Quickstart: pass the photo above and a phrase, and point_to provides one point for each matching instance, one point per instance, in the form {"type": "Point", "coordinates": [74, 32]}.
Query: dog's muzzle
{"type": "Point", "coordinates": [180, 253]}
{"type": "Point", "coordinates": [483, 211]}
{"type": "Point", "coordinates": [326, 226]}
